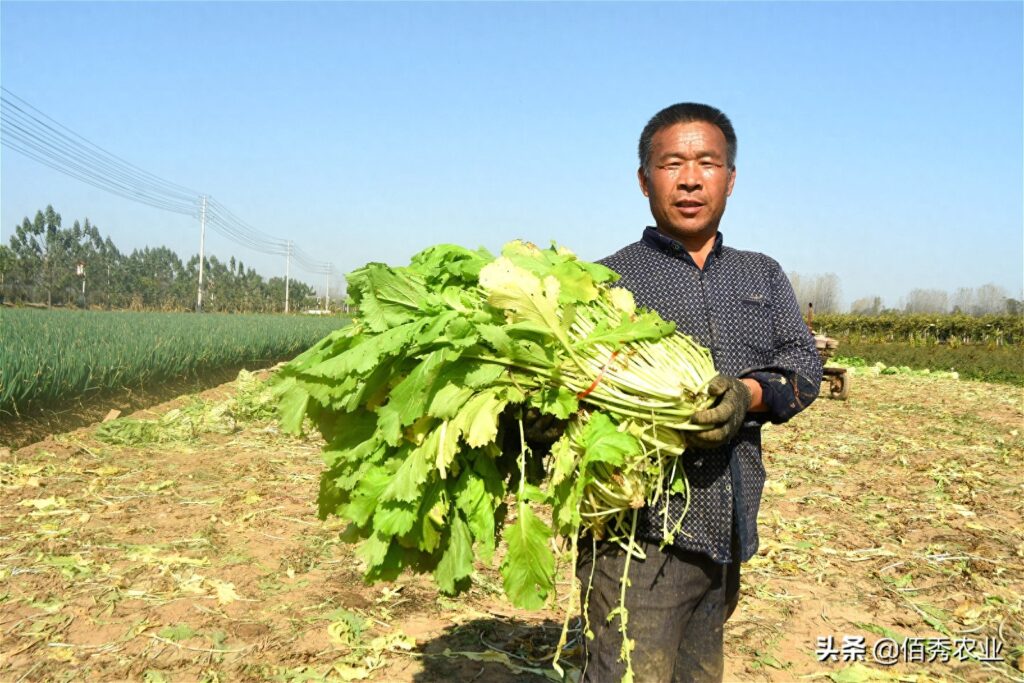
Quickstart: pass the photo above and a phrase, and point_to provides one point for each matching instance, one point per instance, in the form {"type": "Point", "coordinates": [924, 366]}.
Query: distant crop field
{"type": "Point", "coordinates": [988, 348]}
{"type": "Point", "coordinates": [989, 363]}
{"type": "Point", "coordinates": [952, 329]}
{"type": "Point", "coordinates": [49, 357]}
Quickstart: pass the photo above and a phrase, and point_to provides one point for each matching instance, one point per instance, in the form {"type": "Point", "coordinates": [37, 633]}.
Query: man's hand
{"type": "Point", "coordinates": [725, 416]}
{"type": "Point", "coordinates": [542, 429]}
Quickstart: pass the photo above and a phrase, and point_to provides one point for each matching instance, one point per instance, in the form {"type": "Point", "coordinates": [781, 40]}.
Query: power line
{"type": "Point", "coordinates": [32, 133]}
{"type": "Point", "coordinates": [230, 225]}
{"type": "Point", "coordinates": [79, 148]}
{"type": "Point", "coordinates": [174, 186]}
{"type": "Point", "coordinates": [39, 149]}
{"type": "Point", "coordinates": [310, 264]}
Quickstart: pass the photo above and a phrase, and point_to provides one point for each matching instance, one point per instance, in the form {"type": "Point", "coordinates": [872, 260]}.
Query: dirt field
{"type": "Point", "coordinates": [897, 514]}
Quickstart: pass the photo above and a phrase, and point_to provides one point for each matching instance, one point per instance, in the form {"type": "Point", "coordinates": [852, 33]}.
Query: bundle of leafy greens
{"type": "Point", "coordinates": [417, 400]}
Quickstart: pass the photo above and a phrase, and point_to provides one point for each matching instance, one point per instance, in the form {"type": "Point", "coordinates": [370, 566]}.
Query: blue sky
{"type": "Point", "coordinates": [879, 141]}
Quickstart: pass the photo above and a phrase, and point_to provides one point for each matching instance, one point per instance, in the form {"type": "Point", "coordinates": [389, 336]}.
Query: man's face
{"type": "Point", "coordinates": [688, 181]}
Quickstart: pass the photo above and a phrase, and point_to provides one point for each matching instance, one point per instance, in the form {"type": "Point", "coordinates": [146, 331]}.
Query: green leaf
{"type": "Point", "coordinates": [497, 337]}
{"type": "Point", "coordinates": [388, 299]}
{"type": "Point", "coordinates": [353, 437]}
{"type": "Point", "coordinates": [434, 331]}
{"type": "Point", "coordinates": [557, 401]}
{"type": "Point", "coordinates": [487, 471]}
{"type": "Point", "coordinates": [524, 295]}
{"type": "Point", "coordinates": [472, 498]}
{"type": "Point", "coordinates": [621, 299]}
{"type": "Point", "coordinates": [479, 418]}
{"type": "Point", "coordinates": [396, 558]}
{"type": "Point", "coordinates": [457, 561]}
{"type": "Point", "coordinates": [364, 499]}
{"type": "Point", "coordinates": [443, 263]}
{"type": "Point", "coordinates": [510, 393]}
{"type": "Point", "coordinates": [323, 391]}
{"type": "Point", "coordinates": [370, 390]}
{"type": "Point", "coordinates": [433, 508]}
{"type": "Point", "coordinates": [934, 617]}
{"type": "Point", "coordinates": [563, 460]}
{"type": "Point", "coordinates": [332, 498]}
{"type": "Point", "coordinates": [647, 326]}
{"type": "Point", "coordinates": [447, 447]}
{"type": "Point", "coordinates": [389, 425]}
{"type": "Point", "coordinates": [461, 333]}
{"type": "Point", "coordinates": [577, 285]}
{"type": "Point", "coordinates": [292, 408]}
{"type": "Point", "coordinates": [484, 375]}
{"type": "Point", "coordinates": [410, 397]}
{"type": "Point", "coordinates": [529, 565]}
{"type": "Point", "coordinates": [603, 442]}
{"type": "Point", "coordinates": [448, 400]}
{"type": "Point", "coordinates": [177, 633]}
{"type": "Point", "coordinates": [409, 400]}
{"type": "Point", "coordinates": [530, 330]}
{"type": "Point", "coordinates": [533, 493]}
{"type": "Point", "coordinates": [530, 353]}
{"type": "Point", "coordinates": [600, 274]}
{"type": "Point", "coordinates": [565, 506]}
{"type": "Point", "coordinates": [374, 550]}
{"type": "Point", "coordinates": [330, 345]}
{"type": "Point", "coordinates": [456, 383]}
{"type": "Point", "coordinates": [346, 627]}
{"type": "Point", "coordinates": [406, 484]}
{"type": "Point", "coordinates": [364, 357]}
{"type": "Point", "coordinates": [395, 518]}
{"type": "Point", "coordinates": [347, 475]}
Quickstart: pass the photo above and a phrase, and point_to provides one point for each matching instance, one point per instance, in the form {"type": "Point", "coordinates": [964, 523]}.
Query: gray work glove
{"type": "Point", "coordinates": [541, 429]}
{"type": "Point", "coordinates": [726, 416]}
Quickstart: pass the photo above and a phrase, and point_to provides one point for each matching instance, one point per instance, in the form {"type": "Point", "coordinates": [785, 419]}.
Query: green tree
{"type": "Point", "coordinates": [36, 246]}
{"type": "Point", "coordinates": [153, 273]}
{"type": "Point", "coordinates": [42, 258]}
{"type": "Point", "coordinates": [7, 264]}
{"type": "Point", "coordinates": [83, 245]}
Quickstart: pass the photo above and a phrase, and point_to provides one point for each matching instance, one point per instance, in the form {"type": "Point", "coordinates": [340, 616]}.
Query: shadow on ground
{"type": "Point", "coordinates": [499, 650]}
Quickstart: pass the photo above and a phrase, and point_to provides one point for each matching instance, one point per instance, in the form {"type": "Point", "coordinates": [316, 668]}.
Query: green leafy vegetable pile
{"type": "Point", "coordinates": [419, 399]}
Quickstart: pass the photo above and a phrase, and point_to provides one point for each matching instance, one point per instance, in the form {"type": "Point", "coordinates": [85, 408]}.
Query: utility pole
{"type": "Point", "coordinates": [202, 254]}
{"type": "Point", "coordinates": [327, 290]}
{"type": "Point", "coordinates": [80, 270]}
{"type": "Point", "coordinates": [287, 269]}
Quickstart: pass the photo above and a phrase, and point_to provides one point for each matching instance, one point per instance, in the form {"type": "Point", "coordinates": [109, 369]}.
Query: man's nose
{"type": "Point", "coordinates": [689, 177]}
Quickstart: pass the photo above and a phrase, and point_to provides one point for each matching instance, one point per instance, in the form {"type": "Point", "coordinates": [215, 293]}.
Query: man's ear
{"type": "Point", "coordinates": [732, 181]}
{"type": "Point", "coordinates": [643, 181]}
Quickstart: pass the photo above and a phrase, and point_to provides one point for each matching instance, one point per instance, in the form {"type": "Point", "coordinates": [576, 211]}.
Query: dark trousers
{"type": "Point", "coordinates": [678, 603]}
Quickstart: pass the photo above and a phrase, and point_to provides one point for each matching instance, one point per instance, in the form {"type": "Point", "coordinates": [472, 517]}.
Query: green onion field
{"type": "Point", "coordinates": [51, 357]}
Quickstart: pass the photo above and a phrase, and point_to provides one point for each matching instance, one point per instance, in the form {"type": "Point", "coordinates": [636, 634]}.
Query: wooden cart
{"type": "Point", "coordinates": [837, 378]}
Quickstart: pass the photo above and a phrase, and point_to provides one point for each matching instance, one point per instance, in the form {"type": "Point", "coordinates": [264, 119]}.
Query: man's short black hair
{"type": "Point", "coordinates": [686, 112]}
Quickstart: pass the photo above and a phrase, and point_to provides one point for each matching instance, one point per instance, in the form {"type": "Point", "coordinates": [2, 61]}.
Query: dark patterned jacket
{"type": "Point", "coordinates": [742, 307]}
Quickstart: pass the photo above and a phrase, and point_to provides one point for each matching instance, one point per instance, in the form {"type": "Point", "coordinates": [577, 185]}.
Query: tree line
{"type": "Point", "coordinates": [46, 263]}
{"type": "Point", "coordinates": [825, 293]}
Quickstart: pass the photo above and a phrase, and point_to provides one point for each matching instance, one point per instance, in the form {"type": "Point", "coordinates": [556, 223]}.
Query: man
{"type": "Point", "coordinates": [741, 306]}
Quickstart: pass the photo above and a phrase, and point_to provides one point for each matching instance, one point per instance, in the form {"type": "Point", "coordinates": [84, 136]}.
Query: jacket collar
{"type": "Point", "coordinates": [671, 247]}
